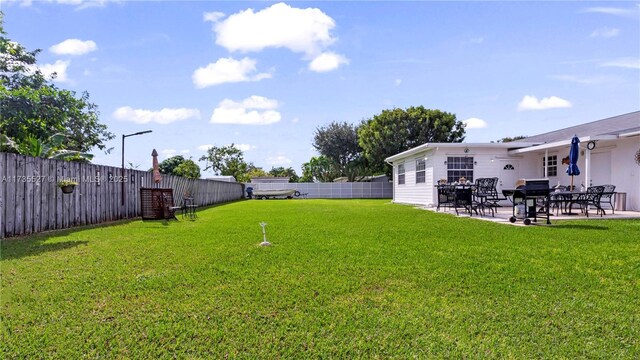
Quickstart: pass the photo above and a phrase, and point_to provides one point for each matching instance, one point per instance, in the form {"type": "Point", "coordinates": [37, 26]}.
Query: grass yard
{"type": "Point", "coordinates": [344, 279]}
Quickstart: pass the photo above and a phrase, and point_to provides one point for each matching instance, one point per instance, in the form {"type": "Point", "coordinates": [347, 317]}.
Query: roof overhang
{"type": "Point", "coordinates": [436, 146]}
{"type": "Point", "coordinates": [558, 144]}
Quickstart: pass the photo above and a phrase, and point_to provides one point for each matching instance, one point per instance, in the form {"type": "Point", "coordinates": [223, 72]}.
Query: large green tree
{"type": "Point", "coordinates": [338, 142]}
{"type": "Point", "coordinates": [188, 169]}
{"type": "Point", "coordinates": [32, 107]}
{"type": "Point", "coordinates": [168, 165]}
{"type": "Point", "coordinates": [397, 130]}
{"type": "Point", "coordinates": [178, 165]}
{"type": "Point", "coordinates": [319, 169]}
{"type": "Point", "coordinates": [255, 172]}
{"type": "Point", "coordinates": [280, 171]}
{"type": "Point", "coordinates": [227, 160]}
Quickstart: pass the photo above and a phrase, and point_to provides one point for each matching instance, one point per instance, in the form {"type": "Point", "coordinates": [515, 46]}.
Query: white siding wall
{"type": "Point", "coordinates": [625, 173]}
{"type": "Point", "coordinates": [410, 192]}
{"type": "Point", "coordinates": [483, 157]}
{"type": "Point", "coordinates": [531, 167]}
{"type": "Point", "coordinates": [426, 194]}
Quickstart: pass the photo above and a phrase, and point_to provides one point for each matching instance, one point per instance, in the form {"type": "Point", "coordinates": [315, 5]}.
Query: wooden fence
{"type": "Point", "coordinates": [31, 201]}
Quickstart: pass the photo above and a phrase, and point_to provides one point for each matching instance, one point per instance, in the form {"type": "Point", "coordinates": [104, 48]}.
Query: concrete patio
{"type": "Point", "coordinates": [502, 215]}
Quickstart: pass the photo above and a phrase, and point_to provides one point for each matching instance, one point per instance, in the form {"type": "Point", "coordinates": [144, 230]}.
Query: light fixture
{"type": "Point", "coordinates": [122, 169]}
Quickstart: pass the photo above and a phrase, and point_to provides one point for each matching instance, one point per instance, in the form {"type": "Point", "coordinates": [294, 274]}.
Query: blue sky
{"type": "Point", "coordinates": [265, 75]}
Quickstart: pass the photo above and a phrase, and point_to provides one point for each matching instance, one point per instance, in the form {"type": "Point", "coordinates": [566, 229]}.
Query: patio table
{"type": "Point", "coordinates": [456, 196]}
{"type": "Point", "coordinates": [189, 208]}
{"type": "Point", "coordinates": [566, 199]}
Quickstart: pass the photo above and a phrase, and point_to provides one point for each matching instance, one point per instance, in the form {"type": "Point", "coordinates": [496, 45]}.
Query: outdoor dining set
{"type": "Point", "coordinates": [530, 199]}
{"type": "Point", "coordinates": [477, 197]}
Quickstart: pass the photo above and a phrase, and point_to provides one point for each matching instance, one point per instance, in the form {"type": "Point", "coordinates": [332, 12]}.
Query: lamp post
{"type": "Point", "coordinates": [122, 170]}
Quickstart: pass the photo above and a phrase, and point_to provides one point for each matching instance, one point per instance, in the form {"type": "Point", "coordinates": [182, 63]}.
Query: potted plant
{"type": "Point", "coordinates": [67, 185]}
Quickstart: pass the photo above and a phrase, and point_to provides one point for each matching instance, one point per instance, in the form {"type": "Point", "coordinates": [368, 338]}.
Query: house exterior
{"type": "Point", "coordinates": [610, 154]}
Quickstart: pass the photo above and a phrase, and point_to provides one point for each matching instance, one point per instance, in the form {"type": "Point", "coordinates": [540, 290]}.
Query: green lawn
{"type": "Point", "coordinates": [344, 279]}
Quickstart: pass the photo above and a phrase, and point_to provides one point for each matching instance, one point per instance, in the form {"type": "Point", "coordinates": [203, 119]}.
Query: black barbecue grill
{"type": "Point", "coordinates": [525, 200]}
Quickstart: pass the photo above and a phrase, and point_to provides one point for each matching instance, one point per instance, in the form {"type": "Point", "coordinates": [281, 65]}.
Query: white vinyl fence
{"type": "Point", "coordinates": [342, 190]}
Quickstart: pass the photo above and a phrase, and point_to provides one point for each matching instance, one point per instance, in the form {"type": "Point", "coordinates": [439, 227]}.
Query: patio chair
{"type": "Point", "coordinates": [591, 197]}
{"type": "Point", "coordinates": [556, 200]}
{"type": "Point", "coordinates": [464, 199]}
{"type": "Point", "coordinates": [608, 196]}
{"type": "Point", "coordinates": [446, 196]}
{"type": "Point", "coordinates": [488, 188]}
{"type": "Point", "coordinates": [485, 194]}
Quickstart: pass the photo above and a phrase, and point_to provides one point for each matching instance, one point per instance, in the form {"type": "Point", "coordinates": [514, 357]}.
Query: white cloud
{"type": "Point", "coordinates": [629, 12]}
{"type": "Point", "coordinates": [532, 103]}
{"type": "Point", "coordinates": [306, 31]}
{"type": "Point", "coordinates": [167, 153]}
{"type": "Point", "coordinates": [280, 25]}
{"type": "Point", "coordinates": [213, 16]}
{"type": "Point", "coordinates": [605, 32]}
{"type": "Point", "coordinates": [397, 82]}
{"type": "Point", "coordinates": [629, 63]}
{"type": "Point", "coordinates": [475, 123]}
{"type": "Point", "coordinates": [185, 151]}
{"type": "Point", "coordinates": [74, 47]}
{"type": "Point", "coordinates": [59, 68]}
{"type": "Point", "coordinates": [327, 61]}
{"type": "Point", "coordinates": [278, 160]}
{"type": "Point", "coordinates": [254, 110]}
{"type": "Point", "coordinates": [227, 70]}
{"type": "Point", "coordinates": [205, 147]}
{"type": "Point", "coordinates": [164, 116]}
{"type": "Point", "coordinates": [84, 3]}
{"type": "Point", "coordinates": [244, 147]}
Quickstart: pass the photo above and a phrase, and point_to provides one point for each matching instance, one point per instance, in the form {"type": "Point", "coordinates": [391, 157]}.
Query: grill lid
{"type": "Point", "coordinates": [537, 186]}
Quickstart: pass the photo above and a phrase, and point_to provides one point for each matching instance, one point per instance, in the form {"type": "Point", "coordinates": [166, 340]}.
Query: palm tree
{"type": "Point", "coordinates": [52, 148]}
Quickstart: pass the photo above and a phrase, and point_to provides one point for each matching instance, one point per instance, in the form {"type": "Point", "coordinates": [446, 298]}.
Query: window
{"type": "Point", "coordinates": [458, 166]}
{"type": "Point", "coordinates": [401, 174]}
{"type": "Point", "coordinates": [552, 170]}
{"type": "Point", "coordinates": [508, 167]}
{"type": "Point", "coordinates": [420, 171]}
